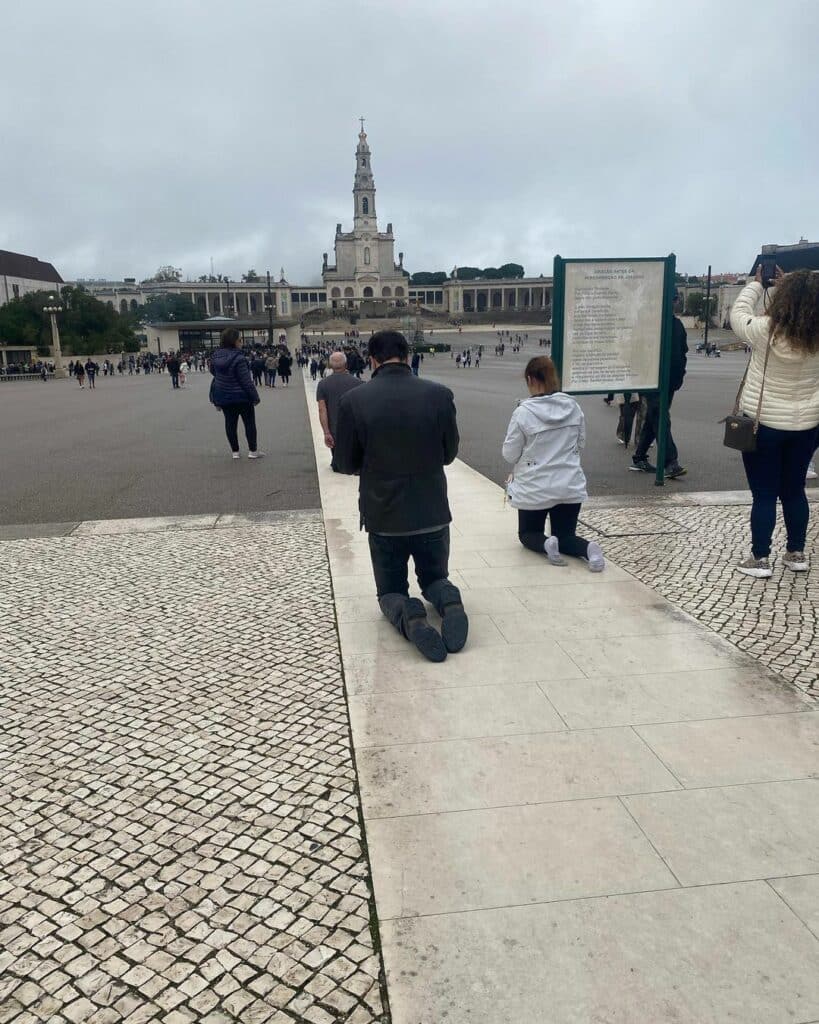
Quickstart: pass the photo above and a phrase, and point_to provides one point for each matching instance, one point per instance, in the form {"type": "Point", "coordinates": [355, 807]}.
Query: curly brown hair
{"type": "Point", "coordinates": [794, 311]}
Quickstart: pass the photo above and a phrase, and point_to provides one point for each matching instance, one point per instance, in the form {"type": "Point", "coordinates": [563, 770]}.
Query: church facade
{"type": "Point", "coordinates": [364, 278]}
{"type": "Point", "coordinates": [365, 270]}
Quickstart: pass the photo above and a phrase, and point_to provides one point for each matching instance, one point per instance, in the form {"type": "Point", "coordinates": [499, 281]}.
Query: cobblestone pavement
{"type": "Point", "coordinates": [179, 819]}
{"type": "Point", "coordinates": [688, 553]}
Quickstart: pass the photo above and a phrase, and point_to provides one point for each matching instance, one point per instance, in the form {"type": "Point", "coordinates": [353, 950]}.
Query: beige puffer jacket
{"type": "Point", "coordinates": [790, 400]}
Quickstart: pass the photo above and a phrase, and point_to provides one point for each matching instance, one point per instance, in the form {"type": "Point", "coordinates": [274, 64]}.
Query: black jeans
{"type": "Point", "coordinates": [777, 470]}
{"type": "Point", "coordinates": [232, 414]}
{"type": "Point", "coordinates": [651, 426]}
{"type": "Point", "coordinates": [563, 523]}
{"type": "Point", "coordinates": [390, 557]}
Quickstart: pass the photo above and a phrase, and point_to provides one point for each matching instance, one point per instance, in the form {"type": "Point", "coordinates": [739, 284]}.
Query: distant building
{"type": "Point", "coordinates": [365, 267]}
{"type": "Point", "coordinates": [21, 274]}
{"type": "Point", "coordinates": [365, 278]}
{"type": "Point", "coordinates": [802, 255]}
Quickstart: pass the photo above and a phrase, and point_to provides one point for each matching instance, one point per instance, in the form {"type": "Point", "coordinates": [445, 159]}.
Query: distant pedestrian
{"type": "Point", "coordinates": [285, 368]}
{"type": "Point", "coordinates": [79, 372]}
{"type": "Point", "coordinates": [233, 391]}
{"type": "Point", "coordinates": [184, 370]}
{"type": "Point", "coordinates": [651, 424]}
{"type": "Point", "coordinates": [415, 363]}
{"type": "Point", "coordinates": [91, 372]}
{"type": "Point", "coordinates": [174, 365]}
{"type": "Point", "coordinates": [257, 369]}
{"type": "Point", "coordinates": [271, 368]}
{"type": "Point", "coordinates": [546, 434]}
{"type": "Point", "coordinates": [329, 394]}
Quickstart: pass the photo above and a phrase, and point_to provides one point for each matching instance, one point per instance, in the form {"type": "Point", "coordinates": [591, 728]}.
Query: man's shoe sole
{"type": "Point", "coordinates": [642, 469]}
{"type": "Point", "coordinates": [428, 641]}
{"type": "Point", "coordinates": [758, 574]}
{"type": "Point", "coordinates": [796, 566]}
{"type": "Point", "coordinates": [454, 628]}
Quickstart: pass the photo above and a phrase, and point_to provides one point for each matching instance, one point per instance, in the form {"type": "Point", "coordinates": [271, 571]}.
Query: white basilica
{"type": "Point", "coordinates": [364, 279]}
{"type": "Point", "coordinates": [365, 267]}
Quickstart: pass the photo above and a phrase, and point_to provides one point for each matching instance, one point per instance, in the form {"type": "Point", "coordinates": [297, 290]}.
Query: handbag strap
{"type": "Point", "coordinates": [761, 387]}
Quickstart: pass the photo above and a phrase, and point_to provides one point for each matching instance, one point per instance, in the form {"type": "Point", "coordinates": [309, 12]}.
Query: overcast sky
{"type": "Point", "coordinates": [173, 131]}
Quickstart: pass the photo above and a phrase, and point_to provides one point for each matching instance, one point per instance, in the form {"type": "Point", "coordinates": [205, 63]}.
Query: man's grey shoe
{"type": "Point", "coordinates": [641, 466]}
{"type": "Point", "coordinates": [672, 472]}
{"type": "Point", "coordinates": [454, 627]}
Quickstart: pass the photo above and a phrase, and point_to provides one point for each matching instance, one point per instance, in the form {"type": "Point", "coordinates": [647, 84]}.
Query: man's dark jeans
{"type": "Point", "coordinates": [651, 426]}
{"type": "Point", "coordinates": [232, 414]}
{"type": "Point", "coordinates": [777, 470]}
{"type": "Point", "coordinates": [175, 378]}
{"type": "Point", "coordinates": [390, 555]}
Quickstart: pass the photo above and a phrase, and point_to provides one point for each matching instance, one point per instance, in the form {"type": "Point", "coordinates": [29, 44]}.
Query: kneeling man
{"type": "Point", "coordinates": [398, 432]}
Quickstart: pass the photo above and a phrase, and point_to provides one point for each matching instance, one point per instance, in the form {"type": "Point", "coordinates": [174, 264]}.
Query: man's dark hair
{"type": "Point", "coordinates": [229, 337]}
{"type": "Point", "coordinates": [386, 345]}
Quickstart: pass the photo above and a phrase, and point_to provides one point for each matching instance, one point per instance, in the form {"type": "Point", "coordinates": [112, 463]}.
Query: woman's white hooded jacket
{"type": "Point", "coordinates": [545, 437]}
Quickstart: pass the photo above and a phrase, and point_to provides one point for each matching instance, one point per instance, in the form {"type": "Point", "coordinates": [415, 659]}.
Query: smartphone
{"type": "Point", "coordinates": [768, 266]}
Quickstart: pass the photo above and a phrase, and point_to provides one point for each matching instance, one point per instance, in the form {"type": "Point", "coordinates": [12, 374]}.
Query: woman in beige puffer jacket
{"type": "Point", "coordinates": [788, 331]}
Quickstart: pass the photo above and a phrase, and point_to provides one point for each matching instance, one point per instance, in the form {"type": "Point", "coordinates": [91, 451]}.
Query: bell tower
{"type": "Point", "coordinates": [364, 218]}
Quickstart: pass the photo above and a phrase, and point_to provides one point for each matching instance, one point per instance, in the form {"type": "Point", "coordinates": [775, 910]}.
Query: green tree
{"type": "Point", "coordinates": [511, 270]}
{"type": "Point", "coordinates": [250, 276]}
{"type": "Point", "coordinates": [163, 307]}
{"type": "Point", "coordinates": [86, 325]}
{"type": "Point", "coordinates": [429, 277]}
{"type": "Point", "coordinates": [468, 273]}
{"type": "Point", "coordinates": [166, 274]}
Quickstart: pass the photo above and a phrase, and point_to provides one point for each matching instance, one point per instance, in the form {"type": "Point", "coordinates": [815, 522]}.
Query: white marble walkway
{"type": "Point", "coordinates": [599, 811]}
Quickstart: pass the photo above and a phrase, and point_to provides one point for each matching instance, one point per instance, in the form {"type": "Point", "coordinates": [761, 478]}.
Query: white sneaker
{"type": "Point", "coordinates": [255, 455]}
{"type": "Point", "coordinates": [594, 556]}
{"type": "Point", "coordinates": [811, 473]}
{"type": "Point", "coordinates": [757, 567]}
{"type": "Point", "coordinates": [552, 550]}
{"type": "Point", "coordinates": [236, 455]}
{"type": "Point", "coordinates": [795, 561]}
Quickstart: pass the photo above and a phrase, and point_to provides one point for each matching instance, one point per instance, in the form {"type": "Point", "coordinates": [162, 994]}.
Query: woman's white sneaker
{"type": "Point", "coordinates": [594, 556]}
{"type": "Point", "coordinates": [757, 567]}
{"type": "Point", "coordinates": [255, 455]}
{"type": "Point", "coordinates": [795, 561]}
{"type": "Point", "coordinates": [553, 551]}
{"type": "Point", "coordinates": [236, 455]}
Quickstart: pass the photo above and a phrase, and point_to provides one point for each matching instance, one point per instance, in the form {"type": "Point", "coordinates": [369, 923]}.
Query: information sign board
{"type": "Point", "coordinates": [613, 325]}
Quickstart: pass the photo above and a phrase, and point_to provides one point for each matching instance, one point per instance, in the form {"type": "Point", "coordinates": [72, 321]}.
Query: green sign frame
{"type": "Point", "coordinates": [558, 336]}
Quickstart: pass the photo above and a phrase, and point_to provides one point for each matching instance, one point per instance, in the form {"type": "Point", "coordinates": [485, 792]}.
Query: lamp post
{"type": "Point", "coordinates": [53, 310]}
{"type": "Point", "coordinates": [269, 309]}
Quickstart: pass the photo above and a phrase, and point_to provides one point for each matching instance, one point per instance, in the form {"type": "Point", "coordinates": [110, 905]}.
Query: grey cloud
{"type": "Point", "coordinates": [172, 132]}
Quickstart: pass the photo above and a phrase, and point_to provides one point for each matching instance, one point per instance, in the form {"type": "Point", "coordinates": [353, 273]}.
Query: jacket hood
{"type": "Point", "coordinates": [223, 358]}
{"type": "Point", "coordinates": [549, 411]}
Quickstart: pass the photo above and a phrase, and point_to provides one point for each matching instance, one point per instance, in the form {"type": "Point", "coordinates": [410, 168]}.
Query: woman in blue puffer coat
{"type": "Point", "coordinates": [234, 392]}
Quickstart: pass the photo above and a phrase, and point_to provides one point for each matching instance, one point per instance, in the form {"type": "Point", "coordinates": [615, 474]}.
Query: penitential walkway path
{"type": "Point", "coordinates": [600, 810]}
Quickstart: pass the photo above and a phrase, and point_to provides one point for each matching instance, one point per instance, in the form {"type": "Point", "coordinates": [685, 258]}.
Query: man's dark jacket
{"type": "Point", "coordinates": [679, 354]}
{"type": "Point", "coordinates": [173, 365]}
{"type": "Point", "coordinates": [398, 432]}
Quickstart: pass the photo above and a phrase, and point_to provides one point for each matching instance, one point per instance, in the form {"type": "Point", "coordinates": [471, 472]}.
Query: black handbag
{"type": "Point", "coordinates": [741, 429]}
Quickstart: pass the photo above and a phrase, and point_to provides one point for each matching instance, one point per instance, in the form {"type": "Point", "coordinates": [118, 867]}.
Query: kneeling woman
{"type": "Point", "coordinates": [545, 436]}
